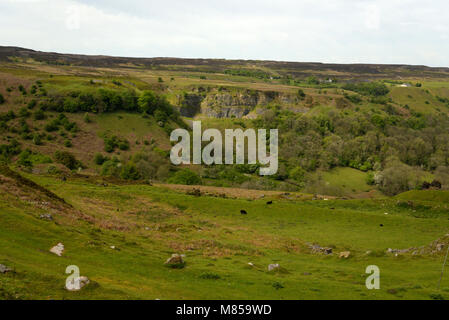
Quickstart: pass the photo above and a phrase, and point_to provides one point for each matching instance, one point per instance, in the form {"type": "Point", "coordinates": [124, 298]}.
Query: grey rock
{"type": "Point", "coordinates": [58, 249]}
{"type": "Point", "coordinates": [47, 216]}
{"type": "Point", "coordinates": [175, 259]}
{"type": "Point", "coordinates": [274, 267]}
{"type": "Point", "coordinates": [78, 284]}
{"type": "Point", "coordinates": [4, 269]}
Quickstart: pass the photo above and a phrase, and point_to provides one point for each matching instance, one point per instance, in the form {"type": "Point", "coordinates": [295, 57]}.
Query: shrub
{"type": "Point", "coordinates": [111, 143]}
{"type": "Point", "coordinates": [32, 104]}
{"type": "Point", "coordinates": [87, 118]}
{"type": "Point", "coordinates": [9, 150]}
{"type": "Point", "coordinates": [129, 172]}
{"type": "Point", "coordinates": [39, 115]}
{"type": "Point", "coordinates": [67, 159]}
{"type": "Point", "coordinates": [111, 167]}
{"type": "Point", "coordinates": [185, 176]}
{"type": "Point", "coordinates": [99, 159]}
{"type": "Point", "coordinates": [297, 174]}
{"type": "Point", "coordinates": [210, 276]}
{"type": "Point", "coordinates": [123, 145]}
{"type": "Point", "coordinates": [24, 159]}
{"type": "Point", "coordinates": [24, 113]}
{"type": "Point", "coordinates": [2, 99]}
{"type": "Point", "coordinates": [375, 89]}
{"type": "Point", "coordinates": [52, 126]}
{"type": "Point", "coordinates": [37, 140]}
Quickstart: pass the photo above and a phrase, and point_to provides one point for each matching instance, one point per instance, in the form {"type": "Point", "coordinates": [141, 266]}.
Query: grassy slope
{"type": "Point", "coordinates": [342, 182]}
{"type": "Point", "coordinates": [147, 224]}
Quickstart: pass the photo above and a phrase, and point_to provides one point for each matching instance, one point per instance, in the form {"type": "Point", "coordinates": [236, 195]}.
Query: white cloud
{"type": "Point", "coordinates": [381, 31]}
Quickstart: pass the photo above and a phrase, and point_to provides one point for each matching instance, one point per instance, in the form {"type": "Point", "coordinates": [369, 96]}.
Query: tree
{"type": "Point", "coordinates": [147, 102]}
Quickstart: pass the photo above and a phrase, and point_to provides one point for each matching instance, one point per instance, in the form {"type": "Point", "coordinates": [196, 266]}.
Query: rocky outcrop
{"type": "Point", "coordinates": [226, 112]}
{"type": "Point", "coordinates": [224, 103]}
{"type": "Point", "coordinates": [190, 104]}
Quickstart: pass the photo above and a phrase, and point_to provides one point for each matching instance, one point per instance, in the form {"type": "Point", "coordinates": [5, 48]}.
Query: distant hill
{"type": "Point", "coordinates": [292, 69]}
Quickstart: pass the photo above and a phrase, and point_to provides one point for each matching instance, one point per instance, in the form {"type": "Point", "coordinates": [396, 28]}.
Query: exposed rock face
{"type": "Point", "coordinates": [232, 100]}
{"type": "Point", "coordinates": [344, 254]}
{"type": "Point", "coordinates": [226, 104]}
{"type": "Point", "coordinates": [227, 112]}
{"type": "Point", "coordinates": [190, 105]}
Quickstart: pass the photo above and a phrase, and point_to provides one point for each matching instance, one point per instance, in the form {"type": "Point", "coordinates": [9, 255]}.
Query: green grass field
{"type": "Point", "coordinates": [147, 224]}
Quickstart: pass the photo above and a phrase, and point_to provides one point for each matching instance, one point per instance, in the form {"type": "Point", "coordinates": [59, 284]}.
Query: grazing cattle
{"type": "Point", "coordinates": [243, 212]}
{"type": "Point", "coordinates": [381, 225]}
{"type": "Point", "coordinates": [270, 202]}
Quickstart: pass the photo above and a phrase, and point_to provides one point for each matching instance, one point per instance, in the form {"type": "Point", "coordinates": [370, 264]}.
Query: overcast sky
{"type": "Point", "coordinates": [341, 31]}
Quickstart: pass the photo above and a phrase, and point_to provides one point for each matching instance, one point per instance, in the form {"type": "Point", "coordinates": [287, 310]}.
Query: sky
{"type": "Point", "coordinates": [333, 31]}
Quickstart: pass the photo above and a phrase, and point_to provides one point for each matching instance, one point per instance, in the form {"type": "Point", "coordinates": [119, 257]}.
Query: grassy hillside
{"type": "Point", "coordinates": [147, 224]}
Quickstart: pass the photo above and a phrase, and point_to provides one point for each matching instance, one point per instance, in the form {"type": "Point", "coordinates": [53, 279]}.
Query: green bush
{"type": "Point", "coordinates": [52, 126]}
{"type": "Point", "coordinates": [123, 145]}
{"type": "Point", "coordinates": [99, 159]}
{"type": "Point", "coordinates": [301, 94]}
{"type": "Point", "coordinates": [67, 159]}
{"type": "Point", "coordinates": [32, 104]}
{"type": "Point", "coordinates": [374, 89]}
{"type": "Point", "coordinates": [297, 174]}
{"type": "Point", "coordinates": [111, 143]}
{"type": "Point", "coordinates": [9, 150]}
{"type": "Point", "coordinates": [39, 115]}
{"type": "Point", "coordinates": [37, 140]}
{"type": "Point", "coordinates": [111, 167]}
{"type": "Point", "coordinates": [129, 172]}
{"type": "Point", "coordinates": [185, 176]}
{"type": "Point", "coordinates": [24, 113]}
{"type": "Point", "coordinates": [2, 99]}
{"type": "Point", "coordinates": [24, 159]}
